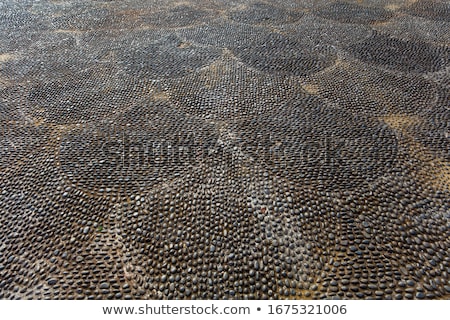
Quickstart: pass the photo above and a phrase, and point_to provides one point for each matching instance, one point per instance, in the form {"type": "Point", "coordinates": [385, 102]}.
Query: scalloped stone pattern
{"type": "Point", "coordinates": [220, 149]}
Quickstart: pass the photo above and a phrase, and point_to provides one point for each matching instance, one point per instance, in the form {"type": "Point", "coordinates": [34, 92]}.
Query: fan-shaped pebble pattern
{"type": "Point", "coordinates": [223, 149]}
{"type": "Point", "coordinates": [353, 13]}
{"type": "Point", "coordinates": [262, 13]}
{"type": "Point", "coordinates": [401, 55]}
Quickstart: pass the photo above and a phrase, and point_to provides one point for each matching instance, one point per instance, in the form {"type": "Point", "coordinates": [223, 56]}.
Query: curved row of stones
{"type": "Point", "coordinates": [215, 151]}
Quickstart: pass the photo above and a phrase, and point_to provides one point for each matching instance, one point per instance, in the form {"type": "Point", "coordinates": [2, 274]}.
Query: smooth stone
{"type": "Point", "coordinates": [104, 285]}
{"type": "Point", "coordinates": [51, 281]}
{"type": "Point", "coordinates": [420, 295]}
{"type": "Point", "coordinates": [410, 283]}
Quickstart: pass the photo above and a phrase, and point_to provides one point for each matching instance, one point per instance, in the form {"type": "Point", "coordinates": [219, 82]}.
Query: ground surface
{"type": "Point", "coordinates": [224, 149]}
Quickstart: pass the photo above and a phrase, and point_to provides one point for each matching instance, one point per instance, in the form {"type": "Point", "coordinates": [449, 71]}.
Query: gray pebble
{"type": "Point", "coordinates": [104, 285]}
{"type": "Point", "coordinates": [410, 282]}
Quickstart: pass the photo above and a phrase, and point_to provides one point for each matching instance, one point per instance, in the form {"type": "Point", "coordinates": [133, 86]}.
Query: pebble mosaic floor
{"type": "Point", "coordinates": [223, 149]}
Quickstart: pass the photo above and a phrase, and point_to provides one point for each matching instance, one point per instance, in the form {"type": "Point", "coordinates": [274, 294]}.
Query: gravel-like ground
{"type": "Point", "coordinates": [218, 149]}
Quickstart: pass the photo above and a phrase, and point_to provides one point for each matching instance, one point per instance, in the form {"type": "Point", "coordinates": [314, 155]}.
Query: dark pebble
{"type": "Point", "coordinates": [420, 295]}
{"type": "Point", "coordinates": [410, 283]}
{"type": "Point", "coordinates": [104, 285]}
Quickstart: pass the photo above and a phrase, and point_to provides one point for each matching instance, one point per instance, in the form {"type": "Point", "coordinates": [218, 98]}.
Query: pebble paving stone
{"type": "Point", "coordinates": [219, 149]}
